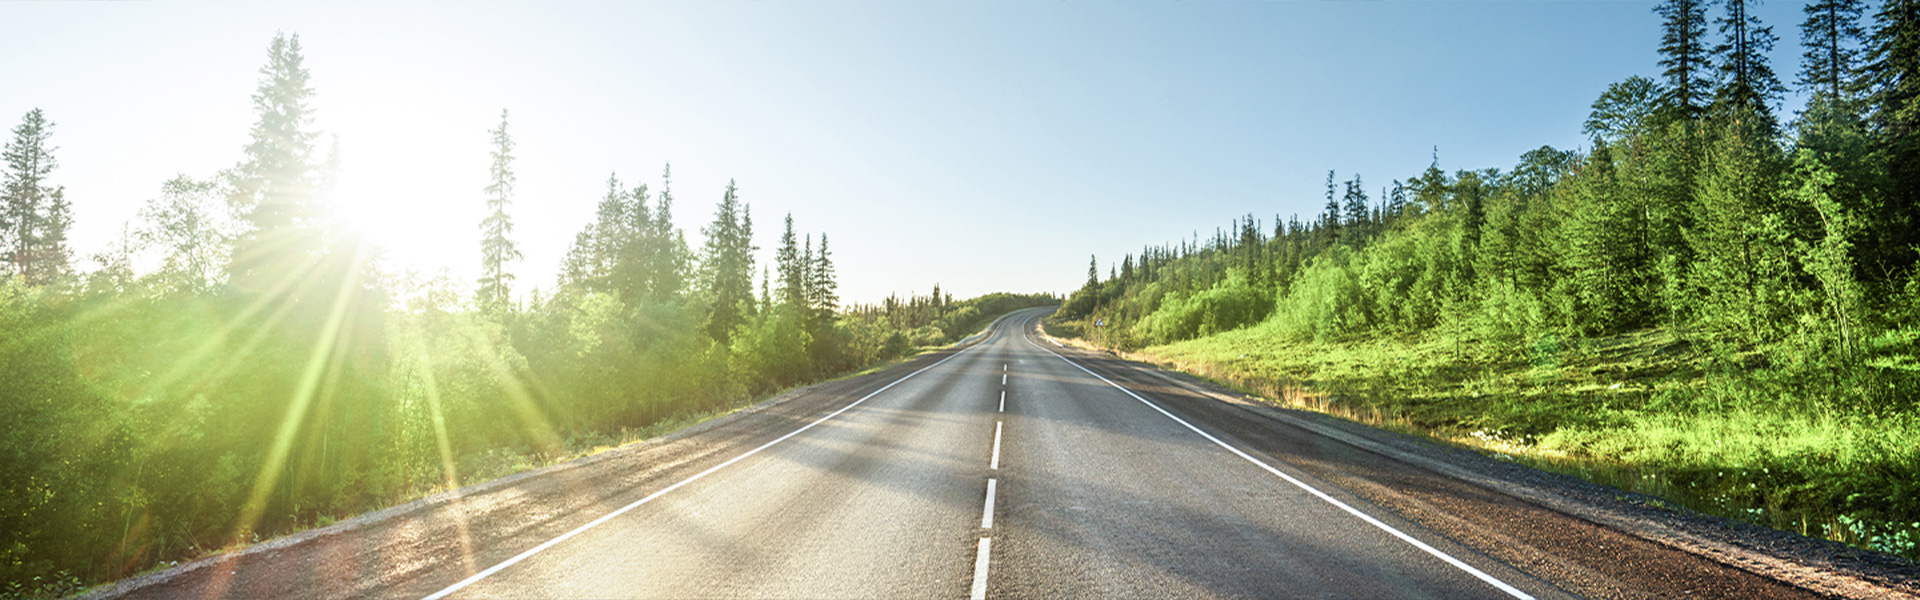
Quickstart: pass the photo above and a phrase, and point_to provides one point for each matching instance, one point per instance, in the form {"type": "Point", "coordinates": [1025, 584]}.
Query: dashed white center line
{"type": "Point", "coordinates": [1003, 379]}
{"type": "Point", "coordinates": [1003, 401]}
{"type": "Point", "coordinates": [995, 464]}
{"type": "Point", "coordinates": [986, 515]}
{"type": "Point", "coordinates": [980, 569]}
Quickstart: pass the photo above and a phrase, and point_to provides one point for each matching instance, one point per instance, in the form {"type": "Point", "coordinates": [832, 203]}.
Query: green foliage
{"type": "Point", "coordinates": [239, 370]}
{"type": "Point", "coordinates": [34, 214]}
{"type": "Point", "coordinates": [1228, 305]}
{"type": "Point", "coordinates": [1747, 288]}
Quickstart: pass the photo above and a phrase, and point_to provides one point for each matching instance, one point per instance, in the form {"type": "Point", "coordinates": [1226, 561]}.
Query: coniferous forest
{"type": "Point", "coordinates": [238, 366]}
{"type": "Point", "coordinates": [1713, 300]}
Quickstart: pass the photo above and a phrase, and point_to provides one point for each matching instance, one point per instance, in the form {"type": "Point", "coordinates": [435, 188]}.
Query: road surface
{"type": "Point", "coordinates": [1012, 468]}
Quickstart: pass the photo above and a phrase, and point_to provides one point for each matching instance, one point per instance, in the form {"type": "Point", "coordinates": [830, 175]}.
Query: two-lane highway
{"type": "Point", "coordinates": [1004, 470]}
{"type": "Point", "coordinates": [1011, 469]}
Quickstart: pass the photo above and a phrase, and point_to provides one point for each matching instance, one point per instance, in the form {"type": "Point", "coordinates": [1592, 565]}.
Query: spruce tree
{"type": "Point", "coordinates": [1747, 83]}
{"type": "Point", "coordinates": [669, 256]}
{"type": "Point", "coordinates": [793, 272]}
{"type": "Point", "coordinates": [1331, 219]}
{"type": "Point", "coordinates": [35, 215]}
{"type": "Point", "coordinates": [824, 284]}
{"type": "Point", "coordinates": [1683, 55]}
{"type": "Point", "coordinates": [1892, 76]}
{"type": "Point", "coordinates": [274, 184]}
{"type": "Point", "coordinates": [726, 267]}
{"type": "Point", "coordinates": [1831, 36]}
{"type": "Point", "coordinates": [496, 247]}
{"type": "Point", "coordinates": [1356, 210]}
{"type": "Point", "coordinates": [1093, 272]}
{"type": "Point", "coordinates": [631, 275]}
{"type": "Point", "coordinates": [806, 279]}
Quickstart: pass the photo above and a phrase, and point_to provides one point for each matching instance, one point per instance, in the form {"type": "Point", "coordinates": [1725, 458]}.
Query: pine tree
{"type": "Point", "coordinates": [274, 184]}
{"type": "Point", "coordinates": [590, 262]}
{"type": "Point", "coordinates": [496, 248]}
{"type": "Point", "coordinates": [793, 272]}
{"type": "Point", "coordinates": [823, 283]}
{"type": "Point", "coordinates": [1747, 83]}
{"type": "Point", "coordinates": [1683, 53]}
{"type": "Point", "coordinates": [35, 215]}
{"type": "Point", "coordinates": [1093, 272]}
{"type": "Point", "coordinates": [1356, 209]}
{"type": "Point", "coordinates": [668, 254]}
{"type": "Point", "coordinates": [1331, 218]}
{"type": "Point", "coordinates": [1892, 77]}
{"type": "Point", "coordinates": [1831, 35]}
{"type": "Point", "coordinates": [726, 267]}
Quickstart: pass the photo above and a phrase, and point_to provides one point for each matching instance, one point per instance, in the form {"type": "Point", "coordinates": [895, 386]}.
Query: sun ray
{"type": "Point", "coordinates": [431, 388]}
{"type": "Point", "coordinates": [304, 392]}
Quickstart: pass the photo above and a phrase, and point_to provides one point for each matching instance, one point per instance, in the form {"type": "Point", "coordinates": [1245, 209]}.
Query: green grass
{"type": "Point", "coordinates": [1715, 430]}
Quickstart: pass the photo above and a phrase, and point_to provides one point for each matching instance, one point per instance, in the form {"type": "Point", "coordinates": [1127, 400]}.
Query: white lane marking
{"type": "Point", "coordinates": [636, 504]}
{"type": "Point", "coordinates": [1003, 401]}
{"type": "Point", "coordinates": [1457, 563]}
{"type": "Point", "coordinates": [995, 465]}
{"type": "Point", "coordinates": [1003, 367]}
{"type": "Point", "coordinates": [980, 570]}
{"type": "Point", "coordinates": [986, 514]}
{"type": "Point", "coordinates": [1003, 379]}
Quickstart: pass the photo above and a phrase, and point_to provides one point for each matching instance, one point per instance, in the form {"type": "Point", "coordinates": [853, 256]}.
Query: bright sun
{"type": "Point", "coordinates": [411, 179]}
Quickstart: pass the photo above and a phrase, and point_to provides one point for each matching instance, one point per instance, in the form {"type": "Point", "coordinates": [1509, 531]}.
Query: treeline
{"type": "Point", "coordinates": [1694, 210]}
{"type": "Point", "coordinates": [237, 366]}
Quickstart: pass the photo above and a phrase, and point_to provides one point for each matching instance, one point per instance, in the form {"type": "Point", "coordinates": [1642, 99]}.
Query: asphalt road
{"type": "Point", "coordinates": [1091, 492]}
{"type": "Point", "coordinates": [1013, 468]}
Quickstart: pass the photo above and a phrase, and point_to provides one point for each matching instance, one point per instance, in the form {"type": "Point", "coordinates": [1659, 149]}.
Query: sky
{"type": "Point", "coordinates": [982, 146]}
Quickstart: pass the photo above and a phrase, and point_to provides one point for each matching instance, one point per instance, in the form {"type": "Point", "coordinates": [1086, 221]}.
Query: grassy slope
{"type": "Point", "coordinates": [1633, 411]}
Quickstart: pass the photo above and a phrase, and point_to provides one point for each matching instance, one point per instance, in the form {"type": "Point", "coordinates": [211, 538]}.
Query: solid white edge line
{"type": "Point", "coordinates": [1449, 559]}
{"type": "Point", "coordinates": [995, 464]}
{"type": "Point", "coordinates": [980, 569]}
{"type": "Point", "coordinates": [622, 510]}
{"type": "Point", "coordinates": [986, 513]}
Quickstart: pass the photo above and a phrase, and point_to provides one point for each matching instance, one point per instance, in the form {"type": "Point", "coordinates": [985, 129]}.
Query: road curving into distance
{"type": "Point", "coordinates": [1010, 468]}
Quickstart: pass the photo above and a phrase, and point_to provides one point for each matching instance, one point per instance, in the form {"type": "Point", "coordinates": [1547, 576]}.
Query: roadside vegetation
{"type": "Point", "coordinates": [239, 366]}
{"type": "Point", "coordinates": [1706, 304]}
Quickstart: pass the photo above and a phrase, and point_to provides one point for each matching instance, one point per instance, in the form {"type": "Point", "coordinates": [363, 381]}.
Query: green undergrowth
{"type": "Point", "coordinates": [1713, 429]}
{"type": "Point", "coordinates": [488, 465]}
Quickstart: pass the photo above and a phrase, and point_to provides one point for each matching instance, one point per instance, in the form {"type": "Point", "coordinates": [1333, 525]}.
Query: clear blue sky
{"type": "Point", "coordinates": [983, 146]}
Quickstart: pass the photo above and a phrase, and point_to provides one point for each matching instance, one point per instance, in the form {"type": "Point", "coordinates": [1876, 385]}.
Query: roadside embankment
{"type": "Point", "coordinates": [1635, 411]}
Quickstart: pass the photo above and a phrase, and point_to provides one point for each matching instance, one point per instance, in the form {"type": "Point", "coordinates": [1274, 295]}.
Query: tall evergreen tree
{"type": "Point", "coordinates": [1093, 272]}
{"type": "Point", "coordinates": [1356, 208]}
{"type": "Point", "coordinates": [823, 283]}
{"type": "Point", "coordinates": [793, 272]}
{"type": "Point", "coordinates": [496, 247]}
{"type": "Point", "coordinates": [1683, 55]}
{"type": "Point", "coordinates": [1831, 36]}
{"type": "Point", "coordinates": [274, 184]}
{"type": "Point", "coordinates": [1892, 76]}
{"type": "Point", "coordinates": [35, 215]}
{"type": "Point", "coordinates": [726, 267]}
{"type": "Point", "coordinates": [669, 255]}
{"type": "Point", "coordinates": [1331, 219]}
{"type": "Point", "coordinates": [1747, 83]}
